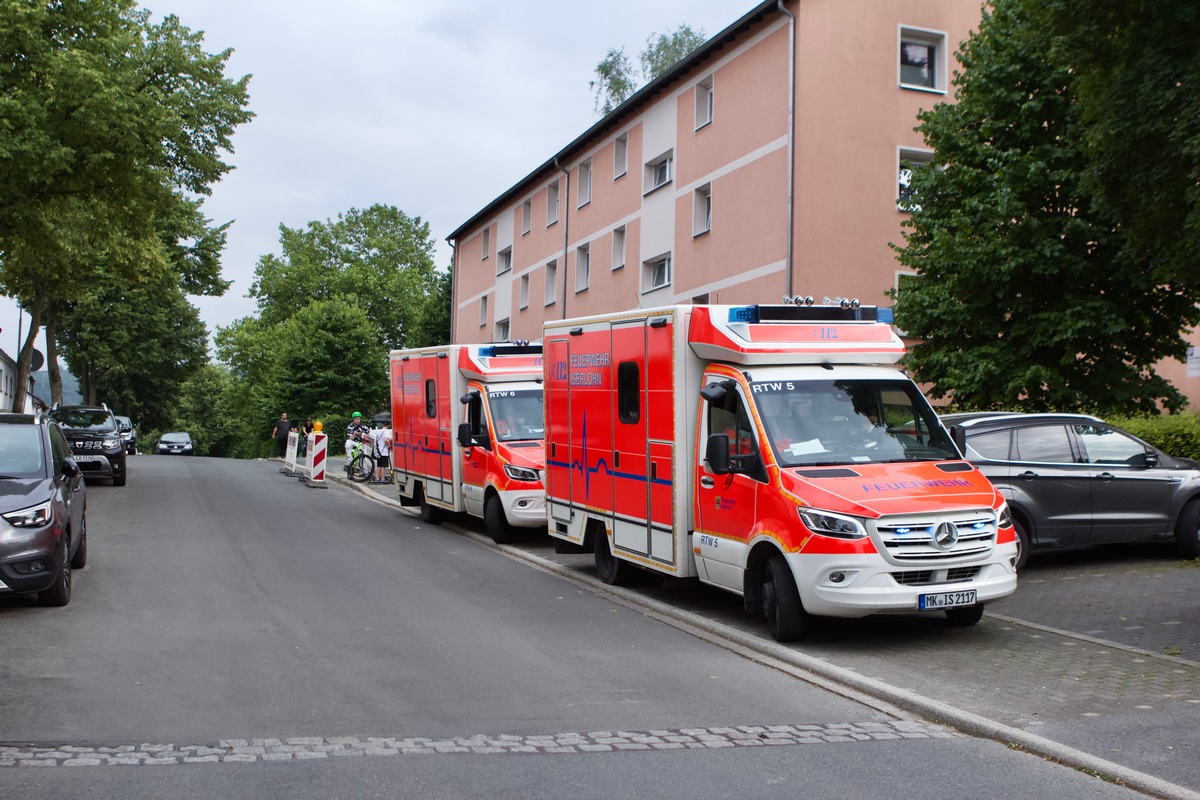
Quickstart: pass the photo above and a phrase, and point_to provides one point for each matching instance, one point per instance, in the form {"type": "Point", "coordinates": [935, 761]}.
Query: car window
{"type": "Point", "coordinates": [1047, 444]}
{"type": "Point", "coordinates": [21, 453]}
{"type": "Point", "coordinates": [85, 419]}
{"type": "Point", "coordinates": [991, 445]}
{"type": "Point", "coordinates": [1108, 446]}
{"type": "Point", "coordinates": [58, 447]}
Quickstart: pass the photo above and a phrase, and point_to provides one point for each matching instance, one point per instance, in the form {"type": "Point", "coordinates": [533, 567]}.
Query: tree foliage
{"type": "Point", "coordinates": [107, 120]}
{"type": "Point", "coordinates": [615, 79]}
{"type": "Point", "coordinates": [1028, 295]}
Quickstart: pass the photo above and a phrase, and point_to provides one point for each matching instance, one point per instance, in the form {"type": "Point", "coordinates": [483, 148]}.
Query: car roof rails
{"type": "Point", "coordinates": [105, 407]}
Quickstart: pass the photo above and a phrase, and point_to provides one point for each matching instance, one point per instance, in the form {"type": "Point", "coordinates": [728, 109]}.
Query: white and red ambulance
{"type": "Point", "coordinates": [773, 451]}
{"type": "Point", "coordinates": [467, 433]}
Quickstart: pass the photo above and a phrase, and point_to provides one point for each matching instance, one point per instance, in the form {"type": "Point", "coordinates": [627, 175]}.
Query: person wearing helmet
{"type": "Point", "coordinates": [356, 431]}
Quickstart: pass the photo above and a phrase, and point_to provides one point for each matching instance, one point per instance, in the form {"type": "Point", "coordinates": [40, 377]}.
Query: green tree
{"type": "Point", "coordinates": [106, 118]}
{"type": "Point", "coordinates": [1027, 296]}
{"type": "Point", "coordinates": [208, 409]}
{"type": "Point", "coordinates": [615, 80]}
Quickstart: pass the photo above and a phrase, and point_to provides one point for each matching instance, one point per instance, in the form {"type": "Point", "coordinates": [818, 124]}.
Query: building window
{"type": "Point", "coordinates": [502, 334]}
{"type": "Point", "coordinates": [656, 273]}
{"type": "Point", "coordinates": [618, 254]}
{"type": "Point", "coordinates": [552, 204]}
{"type": "Point", "coordinates": [524, 291]}
{"type": "Point", "coordinates": [483, 311]}
{"type": "Point", "coordinates": [585, 183]}
{"type": "Point", "coordinates": [922, 59]}
{"type": "Point", "coordinates": [487, 242]}
{"type": "Point", "coordinates": [526, 217]}
{"type": "Point", "coordinates": [551, 282]}
{"type": "Point", "coordinates": [908, 161]}
{"type": "Point", "coordinates": [582, 267]}
{"type": "Point", "coordinates": [702, 210]}
{"type": "Point", "coordinates": [620, 156]}
{"type": "Point", "coordinates": [704, 102]}
{"type": "Point", "coordinates": [658, 171]}
{"type": "Point", "coordinates": [504, 261]}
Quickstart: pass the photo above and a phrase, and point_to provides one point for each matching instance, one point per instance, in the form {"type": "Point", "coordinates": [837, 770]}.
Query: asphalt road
{"type": "Point", "coordinates": [237, 632]}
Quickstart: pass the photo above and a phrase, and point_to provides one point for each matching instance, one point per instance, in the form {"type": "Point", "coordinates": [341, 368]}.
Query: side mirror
{"type": "Point", "coordinates": [1151, 458]}
{"type": "Point", "coordinates": [716, 453]}
{"type": "Point", "coordinates": [70, 468]}
{"type": "Point", "coordinates": [464, 435]}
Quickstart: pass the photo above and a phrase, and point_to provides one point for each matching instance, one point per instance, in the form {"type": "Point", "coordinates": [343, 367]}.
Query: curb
{"type": "Point", "coordinates": [823, 674]}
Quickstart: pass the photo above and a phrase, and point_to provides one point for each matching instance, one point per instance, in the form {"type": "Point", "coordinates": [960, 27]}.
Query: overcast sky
{"type": "Point", "coordinates": [433, 106]}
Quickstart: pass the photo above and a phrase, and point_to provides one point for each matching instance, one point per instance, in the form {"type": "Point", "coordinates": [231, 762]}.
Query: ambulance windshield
{"type": "Point", "coordinates": [517, 414]}
{"type": "Point", "coordinates": [849, 422]}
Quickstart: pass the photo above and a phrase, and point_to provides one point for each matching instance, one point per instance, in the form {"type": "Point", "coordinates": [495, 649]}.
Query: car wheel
{"type": "Point", "coordinates": [59, 593]}
{"type": "Point", "coordinates": [431, 514]}
{"type": "Point", "coordinates": [79, 560]}
{"type": "Point", "coordinates": [119, 480]}
{"type": "Point", "coordinates": [1187, 529]}
{"type": "Point", "coordinates": [497, 524]}
{"type": "Point", "coordinates": [609, 568]}
{"type": "Point", "coordinates": [781, 601]}
{"type": "Point", "coordinates": [1022, 544]}
{"type": "Point", "coordinates": [965, 616]}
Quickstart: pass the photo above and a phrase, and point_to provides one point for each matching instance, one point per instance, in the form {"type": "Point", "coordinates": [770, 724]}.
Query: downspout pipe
{"type": "Point", "coordinates": [791, 146]}
{"type": "Point", "coordinates": [453, 287]}
{"type": "Point", "coordinates": [563, 197]}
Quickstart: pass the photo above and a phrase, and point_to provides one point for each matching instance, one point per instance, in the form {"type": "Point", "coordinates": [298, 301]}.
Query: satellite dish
{"type": "Point", "coordinates": [37, 361]}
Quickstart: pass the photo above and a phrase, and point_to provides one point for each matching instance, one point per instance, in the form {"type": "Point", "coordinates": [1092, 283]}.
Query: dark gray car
{"type": "Point", "coordinates": [1072, 480]}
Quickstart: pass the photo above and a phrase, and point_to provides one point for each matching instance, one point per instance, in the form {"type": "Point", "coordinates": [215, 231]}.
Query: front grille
{"type": "Point", "coordinates": [913, 539]}
{"type": "Point", "coordinates": [87, 444]}
{"type": "Point", "coordinates": [930, 577]}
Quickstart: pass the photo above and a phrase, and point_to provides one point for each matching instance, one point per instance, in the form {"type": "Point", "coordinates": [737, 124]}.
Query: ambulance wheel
{"type": "Point", "coordinates": [497, 524]}
{"type": "Point", "coordinates": [965, 616]}
{"type": "Point", "coordinates": [781, 601]}
{"type": "Point", "coordinates": [609, 568]}
{"type": "Point", "coordinates": [429, 513]}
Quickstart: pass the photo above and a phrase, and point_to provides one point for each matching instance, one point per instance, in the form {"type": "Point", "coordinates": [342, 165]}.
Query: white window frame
{"type": "Point", "coordinates": [618, 248]}
{"type": "Point", "coordinates": [653, 267]}
{"type": "Point", "coordinates": [504, 261]}
{"type": "Point", "coordinates": [923, 37]}
{"type": "Point", "coordinates": [552, 204]}
{"type": "Point", "coordinates": [908, 155]}
{"type": "Point", "coordinates": [660, 171]}
{"type": "Point", "coordinates": [620, 156]}
{"type": "Point", "coordinates": [550, 296]}
{"type": "Point", "coordinates": [585, 183]}
{"type": "Point", "coordinates": [524, 303]}
{"type": "Point", "coordinates": [583, 267]}
{"type": "Point", "coordinates": [487, 242]}
{"type": "Point", "coordinates": [483, 311]}
{"type": "Point", "coordinates": [503, 331]}
{"type": "Point", "coordinates": [526, 216]}
{"type": "Point", "coordinates": [702, 210]}
{"type": "Point", "coordinates": [705, 102]}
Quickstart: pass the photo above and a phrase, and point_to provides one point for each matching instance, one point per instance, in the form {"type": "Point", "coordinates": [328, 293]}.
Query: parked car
{"type": "Point", "coordinates": [1073, 480]}
{"type": "Point", "coordinates": [175, 443]}
{"type": "Point", "coordinates": [43, 509]}
{"type": "Point", "coordinates": [95, 441]}
{"type": "Point", "coordinates": [128, 433]}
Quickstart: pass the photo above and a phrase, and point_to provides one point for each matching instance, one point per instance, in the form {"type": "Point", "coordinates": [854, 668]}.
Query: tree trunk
{"type": "Point", "coordinates": [52, 357]}
{"type": "Point", "coordinates": [25, 359]}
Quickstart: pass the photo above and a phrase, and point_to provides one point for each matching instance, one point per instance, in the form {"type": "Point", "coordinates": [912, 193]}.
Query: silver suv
{"type": "Point", "coordinates": [1072, 480]}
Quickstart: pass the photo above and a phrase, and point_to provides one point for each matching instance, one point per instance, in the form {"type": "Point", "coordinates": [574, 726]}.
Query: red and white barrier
{"type": "Point", "coordinates": [314, 466]}
{"type": "Point", "coordinates": [289, 456]}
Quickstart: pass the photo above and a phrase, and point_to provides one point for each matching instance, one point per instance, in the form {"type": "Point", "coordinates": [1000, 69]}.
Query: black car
{"type": "Point", "coordinates": [175, 443]}
{"type": "Point", "coordinates": [43, 509]}
{"type": "Point", "coordinates": [128, 433]}
{"type": "Point", "coordinates": [95, 440]}
{"type": "Point", "coordinates": [1073, 480]}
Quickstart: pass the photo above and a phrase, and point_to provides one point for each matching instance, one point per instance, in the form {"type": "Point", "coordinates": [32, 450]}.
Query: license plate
{"type": "Point", "coordinates": [86, 459]}
{"type": "Point", "coordinates": [932, 602]}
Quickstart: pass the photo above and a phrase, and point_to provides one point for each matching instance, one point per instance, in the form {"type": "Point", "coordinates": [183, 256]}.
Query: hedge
{"type": "Point", "coordinates": [1175, 434]}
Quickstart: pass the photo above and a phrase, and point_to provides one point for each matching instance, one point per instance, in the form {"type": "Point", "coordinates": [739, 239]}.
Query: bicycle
{"type": "Point", "coordinates": [360, 464]}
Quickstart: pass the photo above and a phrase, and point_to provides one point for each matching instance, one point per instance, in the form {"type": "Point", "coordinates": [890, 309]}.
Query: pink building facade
{"type": "Point", "coordinates": [767, 163]}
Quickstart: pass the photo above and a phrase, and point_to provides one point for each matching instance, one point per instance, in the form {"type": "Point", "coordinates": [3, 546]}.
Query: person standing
{"type": "Point", "coordinates": [383, 452]}
{"type": "Point", "coordinates": [280, 432]}
{"type": "Point", "coordinates": [305, 430]}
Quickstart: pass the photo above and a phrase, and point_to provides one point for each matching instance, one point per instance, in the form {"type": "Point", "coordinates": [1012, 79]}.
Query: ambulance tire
{"type": "Point", "coordinates": [429, 513]}
{"type": "Point", "coordinates": [609, 568]}
{"type": "Point", "coordinates": [496, 523]}
{"type": "Point", "coordinates": [781, 604]}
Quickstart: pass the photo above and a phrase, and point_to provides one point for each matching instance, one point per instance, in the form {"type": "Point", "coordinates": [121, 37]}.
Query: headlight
{"type": "Point", "coordinates": [521, 473]}
{"type": "Point", "coordinates": [1003, 516]}
{"type": "Point", "coordinates": [109, 444]}
{"type": "Point", "coordinates": [32, 517]}
{"type": "Point", "coordinates": [830, 524]}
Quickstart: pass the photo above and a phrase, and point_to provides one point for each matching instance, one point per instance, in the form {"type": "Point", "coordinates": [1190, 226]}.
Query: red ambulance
{"type": "Point", "coordinates": [772, 451]}
{"type": "Point", "coordinates": [467, 433]}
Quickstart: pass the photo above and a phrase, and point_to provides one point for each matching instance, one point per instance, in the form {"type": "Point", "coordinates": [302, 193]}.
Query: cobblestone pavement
{"type": "Point", "coordinates": [301, 748]}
